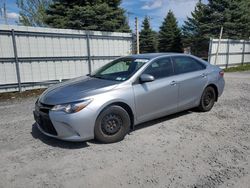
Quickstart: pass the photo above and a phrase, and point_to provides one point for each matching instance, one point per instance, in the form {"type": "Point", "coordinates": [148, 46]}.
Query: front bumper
{"type": "Point", "coordinates": [70, 127]}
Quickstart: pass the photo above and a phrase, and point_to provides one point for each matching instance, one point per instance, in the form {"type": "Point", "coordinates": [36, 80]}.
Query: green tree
{"type": "Point", "coordinates": [147, 38]}
{"type": "Point", "coordinates": [246, 18]}
{"type": "Point", "coordinates": [194, 28]}
{"type": "Point", "coordinates": [207, 19]}
{"type": "Point", "coordinates": [170, 35]}
{"type": "Point", "coordinates": [233, 15]}
{"type": "Point", "coordinates": [32, 12]}
{"type": "Point", "coordinates": [100, 15]}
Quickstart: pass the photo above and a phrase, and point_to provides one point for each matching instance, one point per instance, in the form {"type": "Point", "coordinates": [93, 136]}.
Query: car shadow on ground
{"type": "Point", "coordinates": [162, 119]}
{"type": "Point", "coordinates": [79, 145]}
{"type": "Point", "coordinates": [36, 133]}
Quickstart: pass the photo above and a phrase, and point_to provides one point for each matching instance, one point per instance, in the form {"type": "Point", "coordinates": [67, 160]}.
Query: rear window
{"type": "Point", "coordinates": [184, 64]}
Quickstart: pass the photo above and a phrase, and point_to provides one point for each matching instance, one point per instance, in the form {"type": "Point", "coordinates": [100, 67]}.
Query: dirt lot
{"type": "Point", "coordinates": [188, 149]}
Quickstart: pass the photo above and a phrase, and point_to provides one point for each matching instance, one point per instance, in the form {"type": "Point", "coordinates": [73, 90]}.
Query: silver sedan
{"type": "Point", "coordinates": [108, 103]}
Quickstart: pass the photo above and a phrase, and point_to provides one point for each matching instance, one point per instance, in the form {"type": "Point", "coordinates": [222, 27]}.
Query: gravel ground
{"type": "Point", "coordinates": [188, 149]}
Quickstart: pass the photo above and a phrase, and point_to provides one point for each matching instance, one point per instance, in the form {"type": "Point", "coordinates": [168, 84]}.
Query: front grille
{"type": "Point", "coordinates": [45, 123]}
{"type": "Point", "coordinates": [41, 115]}
{"type": "Point", "coordinates": [45, 108]}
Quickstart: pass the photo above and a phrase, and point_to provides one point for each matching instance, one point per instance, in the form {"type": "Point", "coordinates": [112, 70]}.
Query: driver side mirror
{"type": "Point", "coordinates": [146, 78]}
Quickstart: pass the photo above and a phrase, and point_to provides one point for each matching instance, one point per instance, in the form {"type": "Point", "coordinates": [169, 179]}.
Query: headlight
{"type": "Point", "coordinates": [72, 107]}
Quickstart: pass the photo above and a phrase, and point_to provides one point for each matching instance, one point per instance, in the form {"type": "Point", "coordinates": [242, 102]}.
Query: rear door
{"type": "Point", "coordinates": [192, 78]}
{"type": "Point", "coordinates": [159, 97]}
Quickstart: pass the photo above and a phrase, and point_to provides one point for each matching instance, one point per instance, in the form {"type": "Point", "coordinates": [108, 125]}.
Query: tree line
{"type": "Point", "coordinates": [107, 15]}
{"type": "Point", "coordinates": [204, 23]}
{"type": "Point", "coordinates": [101, 15]}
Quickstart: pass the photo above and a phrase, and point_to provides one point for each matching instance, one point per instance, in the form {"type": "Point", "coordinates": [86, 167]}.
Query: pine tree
{"type": "Point", "coordinates": [219, 13]}
{"type": "Point", "coordinates": [147, 37]}
{"type": "Point", "coordinates": [206, 21]}
{"type": "Point", "coordinates": [233, 15]}
{"type": "Point", "coordinates": [103, 15]}
{"type": "Point", "coordinates": [170, 35]}
{"type": "Point", "coordinates": [194, 28]}
{"type": "Point", "coordinates": [32, 13]}
{"type": "Point", "coordinates": [245, 7]}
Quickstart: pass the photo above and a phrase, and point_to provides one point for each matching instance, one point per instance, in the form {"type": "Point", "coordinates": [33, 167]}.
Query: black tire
{"type": "Point", "coordinates": [207, 99]}
{"type": "Point", "coordinates": [112, 124]}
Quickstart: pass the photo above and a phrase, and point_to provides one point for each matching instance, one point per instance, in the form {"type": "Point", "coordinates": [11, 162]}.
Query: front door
{"type": "Point", "coordinates": [159, 97]}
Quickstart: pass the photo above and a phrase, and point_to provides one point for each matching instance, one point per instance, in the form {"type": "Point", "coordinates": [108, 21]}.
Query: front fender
{"type": "Point", "coordinates": [122, 95]}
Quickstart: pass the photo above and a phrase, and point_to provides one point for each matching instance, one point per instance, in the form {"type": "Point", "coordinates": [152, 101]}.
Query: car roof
{"type": "Point", "coordinates": [151, 55]}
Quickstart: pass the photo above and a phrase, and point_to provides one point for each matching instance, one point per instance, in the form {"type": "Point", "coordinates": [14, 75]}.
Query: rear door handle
{"type": "Point", "coordinates": [204, 75]}
{"type": "Point", "coordinates": [173, 83]}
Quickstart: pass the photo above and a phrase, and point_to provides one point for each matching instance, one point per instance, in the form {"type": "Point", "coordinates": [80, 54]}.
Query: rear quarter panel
{"type": "Point", "coordinates": [215, 78]}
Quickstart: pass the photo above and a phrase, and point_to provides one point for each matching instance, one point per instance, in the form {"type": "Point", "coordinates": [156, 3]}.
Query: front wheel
{"type": "Point", "coordinates": [207, 99]}
{"type": "Point", "coordinates": [112, 124]}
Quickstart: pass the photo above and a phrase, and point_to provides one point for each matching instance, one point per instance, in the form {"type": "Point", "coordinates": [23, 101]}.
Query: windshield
{"type": "Point", "coordinates": [120, 69]}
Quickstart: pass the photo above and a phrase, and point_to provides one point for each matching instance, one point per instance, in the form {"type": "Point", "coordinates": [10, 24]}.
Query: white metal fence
{"type": "Point", "coordinates": [35, 57]}
{"type": "Point", "coordinates": [230, 52]}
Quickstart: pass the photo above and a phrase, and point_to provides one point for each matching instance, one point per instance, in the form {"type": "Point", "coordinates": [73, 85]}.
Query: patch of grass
{"type": "Point", "coordinates": [238, 68]}
{"type": "Point", "coordinates": [18, 95]}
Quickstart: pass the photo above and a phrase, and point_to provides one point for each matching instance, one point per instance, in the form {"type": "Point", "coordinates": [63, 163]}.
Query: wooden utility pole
{"type": "Point", "coordinates": [137, 35]}
{"type": "Point", "coordinates": [218, 46]}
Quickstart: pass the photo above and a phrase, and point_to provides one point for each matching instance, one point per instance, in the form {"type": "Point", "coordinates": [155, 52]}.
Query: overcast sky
{"type": "Point", "coordinates": [155, 9]}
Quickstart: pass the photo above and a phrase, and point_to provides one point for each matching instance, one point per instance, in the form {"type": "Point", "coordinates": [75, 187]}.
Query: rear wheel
{"type": "Point", "coordinates": [207, 99]}
{"type": "Point", "coordinates": [112, 124]}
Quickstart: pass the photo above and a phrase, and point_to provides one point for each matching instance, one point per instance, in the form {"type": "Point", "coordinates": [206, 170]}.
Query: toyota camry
{"type": "Point", "coordinates": [130, 90]}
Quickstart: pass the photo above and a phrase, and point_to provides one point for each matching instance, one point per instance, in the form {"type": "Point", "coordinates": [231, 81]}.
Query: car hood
{"type": "Point", "coordinates": [75, 90]}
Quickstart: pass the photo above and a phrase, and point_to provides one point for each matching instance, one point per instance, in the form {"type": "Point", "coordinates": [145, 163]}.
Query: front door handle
{"type": "Point", "coordinates": [173, 83]}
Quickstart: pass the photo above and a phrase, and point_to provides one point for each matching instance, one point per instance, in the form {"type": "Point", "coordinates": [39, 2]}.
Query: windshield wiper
{"type": "Point", "coordinates": [95, 76]}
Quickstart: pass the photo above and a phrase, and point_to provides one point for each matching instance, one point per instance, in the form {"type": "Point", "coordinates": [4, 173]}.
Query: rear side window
{"type": "Point", "coordinates": [186, 64]}
{"type": "Point", "coordinates": [160, 68]}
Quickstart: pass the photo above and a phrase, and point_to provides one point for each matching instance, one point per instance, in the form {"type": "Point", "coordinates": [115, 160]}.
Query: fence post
{"type": "Point", "coordinates": [88, 52]}
{"type": "Point", "coordinates": [16, 60]}
{"type": "Point", "coordinates": [243, 53]}
{"type": "Point", "coordinates": [228, 45]}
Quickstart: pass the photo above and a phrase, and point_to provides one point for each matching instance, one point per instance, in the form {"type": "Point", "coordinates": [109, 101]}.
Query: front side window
{"type": "Point", "coordinates": [120, 69]}
{"type": "Point", "coordinates": [160, 68]}
{"type": "Point", "coordinates": [186, 64]}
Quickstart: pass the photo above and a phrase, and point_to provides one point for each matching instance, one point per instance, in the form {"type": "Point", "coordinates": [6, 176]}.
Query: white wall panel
{"type": "Point", "coordinates": [230, 52]}
{"type": "Point", "coordinates": [32, 45]}
{"type": "Point", "coordinates": [247, 58]}
{"type": "Point", "coordinates": [8, 73]}
{"type": "Point", "coordinates": [6, 46]}
{"type": "Point", "coordinates": [44, 70]}
{"type": "Point", "coordinates": [236, 47]}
